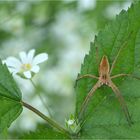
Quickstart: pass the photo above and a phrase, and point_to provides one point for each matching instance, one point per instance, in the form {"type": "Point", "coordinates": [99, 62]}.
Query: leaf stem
{"type": "Point", "coordinates": [47, 119]}
{"type": "Point", "coordinates": [38, 93]}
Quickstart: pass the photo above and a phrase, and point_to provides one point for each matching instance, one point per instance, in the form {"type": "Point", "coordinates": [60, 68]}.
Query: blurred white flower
{"type": "Point", "coordinates": [13, 25]}
{"type": "Point", "coordinates": [115, 8]}
{"type": "Point", "coordinates": [84, 5]}
{"type": "Point", "coordinates": [27, 66]}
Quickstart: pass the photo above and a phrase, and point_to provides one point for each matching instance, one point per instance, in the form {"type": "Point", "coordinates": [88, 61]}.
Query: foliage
{"type": "Point", "coordinates": [104, 117]}
{"type": "Point", "coordinates": [44, 133]}
{"type": "Point", "coordinates": [10, 97]}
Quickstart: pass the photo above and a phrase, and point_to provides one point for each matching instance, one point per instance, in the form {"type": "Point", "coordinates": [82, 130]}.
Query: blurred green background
{"type": "Point", "coordinates": [64, 30]}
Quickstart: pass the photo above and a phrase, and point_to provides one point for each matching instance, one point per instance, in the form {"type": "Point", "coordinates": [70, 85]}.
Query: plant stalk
{"type": "Point", "coordinates": [47, 119]}
{"type": "Point", "coordinates": [41, 98]}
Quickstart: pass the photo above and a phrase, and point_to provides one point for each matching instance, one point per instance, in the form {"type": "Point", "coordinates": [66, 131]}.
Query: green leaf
{"type": "Point", "coordinates": [104, 117]}
{"type": "Point", "coordinates": [9, 111]}
{"type": "Point", "coordinates": [4, 134]}
{"type": "Point", "coordinates": [8, 87]}
{"type": "Point", "coordinates": [10, 97]}
{"type": "Point", "coordinates": [42, 132]}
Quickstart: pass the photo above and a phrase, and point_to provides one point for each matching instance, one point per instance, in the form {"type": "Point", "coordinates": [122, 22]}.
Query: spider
{"type": "Point", "coordinates": [105, 78]}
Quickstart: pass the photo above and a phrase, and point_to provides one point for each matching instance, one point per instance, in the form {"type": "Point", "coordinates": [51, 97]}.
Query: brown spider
{"type": "Point", "coordinates": [105, 79]}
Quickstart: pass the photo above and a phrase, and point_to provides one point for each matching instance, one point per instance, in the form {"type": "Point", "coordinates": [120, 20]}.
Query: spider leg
{"type": "Point", "coordinates": [119, 75]}
{"type": "Point", "coordinates": [85, 76]}
{"type": "Point", "coordinates": [88, 98]}
{"type": "Point", "coordinates": [122, 46]}
{"type": "Point", "coordinates": [122, 101]}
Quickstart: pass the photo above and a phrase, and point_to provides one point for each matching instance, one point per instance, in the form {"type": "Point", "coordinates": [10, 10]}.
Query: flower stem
{"type": "Point", "coordinates": [38, 93]}
{"type": "Point", "coordinates": [47, 119]}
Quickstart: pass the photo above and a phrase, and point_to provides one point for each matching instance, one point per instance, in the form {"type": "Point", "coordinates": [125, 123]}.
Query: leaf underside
{"type": "Point", "coordinates": [10, 97]}
{"type": "Point", "coordinates": [8, 87]}
{"type": "Point", "coordinates": [104, 117]}
{"type": "Point", "coordinates": [9, 111]}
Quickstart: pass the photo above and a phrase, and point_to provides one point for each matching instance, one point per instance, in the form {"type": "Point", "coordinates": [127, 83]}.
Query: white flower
{"type": "Point", "coordinates": [27, 66]}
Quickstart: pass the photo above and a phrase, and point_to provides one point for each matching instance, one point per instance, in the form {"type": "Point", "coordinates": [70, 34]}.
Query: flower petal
{"type": "Point", "coordinates": [13, 62]}
{"type": "Point", "coordinates": [23, 57]}
{"type": "Point", "coordinates": [13, 71]}
{"type": "Point", "coordinates": [27, 74]}
{"type": "Point", "coordinates": [31, 55]}
{"type": "Point", "coordinates": [4, 61]}
{"type": "Point", "coordinates": [35, 69]}
{"type": "Point", "coordinates": [40, 58]}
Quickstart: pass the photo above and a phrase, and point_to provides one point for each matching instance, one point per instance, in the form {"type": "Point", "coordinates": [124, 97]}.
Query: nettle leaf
{"type": "Point", "coordinates": [9, 111]}
{"type": "Point", "coordinates": [44, 133]}
{"type": "Point", "coordinates": [10, 97]}
{"type": "Point", "coordinates": [104, 117]}
{"type": "Point", "coordinates": [8, 87]}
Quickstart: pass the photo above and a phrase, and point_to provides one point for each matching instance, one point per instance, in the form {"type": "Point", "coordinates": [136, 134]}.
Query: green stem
{"type": "Point", "coordinates": [47, 119]}
{"type": "Point", "coordinates": [38, 93]}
